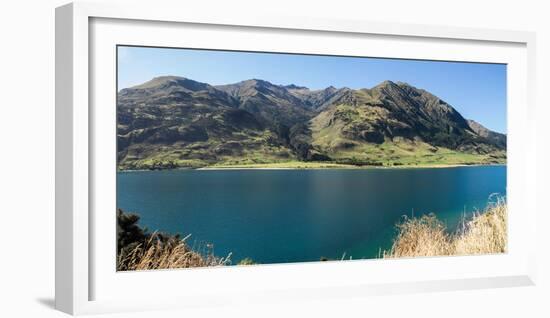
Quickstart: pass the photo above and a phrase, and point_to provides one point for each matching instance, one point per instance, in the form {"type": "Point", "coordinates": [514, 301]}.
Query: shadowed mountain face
{"type": "Point", "coordinates": [171, 122]}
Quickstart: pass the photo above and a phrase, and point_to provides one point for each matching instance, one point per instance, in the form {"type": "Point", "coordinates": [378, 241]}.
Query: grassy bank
{"type": "Point", "coordinates": [484, 233]}
{"type": "Point", "coordinates": [399, 153]}
{"type": "Point", "coordinates": [304, 165]}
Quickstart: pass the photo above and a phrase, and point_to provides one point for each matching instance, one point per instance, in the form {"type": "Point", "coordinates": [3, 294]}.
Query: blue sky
{"type": "Point", "coordinates": [477, 91]}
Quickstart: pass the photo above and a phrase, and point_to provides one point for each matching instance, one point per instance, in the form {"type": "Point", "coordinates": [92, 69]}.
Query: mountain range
{"type": "Point", "coordinates": [172, 121]}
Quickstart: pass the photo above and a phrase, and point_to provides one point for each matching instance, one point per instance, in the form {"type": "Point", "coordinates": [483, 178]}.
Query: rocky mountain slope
{"type": "Point", "coordinates": [172, 121]}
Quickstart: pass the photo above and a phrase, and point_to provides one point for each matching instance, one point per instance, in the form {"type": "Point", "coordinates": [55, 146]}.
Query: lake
{"type": "Point", "coordinates": [275, 216]}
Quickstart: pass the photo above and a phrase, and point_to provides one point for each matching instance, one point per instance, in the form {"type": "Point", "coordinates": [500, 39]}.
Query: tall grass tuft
{"type": "Point", "coordinates": [484, 233]}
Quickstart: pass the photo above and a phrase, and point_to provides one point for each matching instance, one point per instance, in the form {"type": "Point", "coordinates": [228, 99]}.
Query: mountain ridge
{"type": "Point", "coordinates": [173, 121]}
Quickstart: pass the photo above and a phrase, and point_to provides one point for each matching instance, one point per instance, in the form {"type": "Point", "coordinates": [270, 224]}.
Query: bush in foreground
{"type": "Point", "coordinates": [139, 250]}
{"type": "Point", "coordinates": [484, 233]}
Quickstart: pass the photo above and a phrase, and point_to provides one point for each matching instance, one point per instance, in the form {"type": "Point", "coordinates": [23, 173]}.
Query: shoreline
{"type": "Point", "coordinates": [349, 168]}
{"type": "Point", "coordinates": [331, 167]}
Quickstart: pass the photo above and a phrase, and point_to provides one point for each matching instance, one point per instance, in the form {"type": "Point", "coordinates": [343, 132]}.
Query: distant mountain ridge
{"type": "Point", "coordinates": [173, 121]}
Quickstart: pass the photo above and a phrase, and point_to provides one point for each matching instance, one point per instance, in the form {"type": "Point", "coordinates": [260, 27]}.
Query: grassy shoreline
{"type": "Point", "coordinates": [336, 166]}
{"type": "Point", "coordinates": [297, 165]}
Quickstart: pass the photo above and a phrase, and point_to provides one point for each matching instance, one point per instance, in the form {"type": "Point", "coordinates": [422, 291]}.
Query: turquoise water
{"type": "Point", "coordinates": [275, 216]}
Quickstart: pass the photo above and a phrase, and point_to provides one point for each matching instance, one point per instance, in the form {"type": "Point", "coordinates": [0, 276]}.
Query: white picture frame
{"type": "Point", "coordinates": [85, 280]}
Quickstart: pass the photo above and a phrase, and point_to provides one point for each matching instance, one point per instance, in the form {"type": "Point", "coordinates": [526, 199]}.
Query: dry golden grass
{"type": "Point", "coordinates": [159, 252]}
{"type": "Point", "coordinates": [485, 233]}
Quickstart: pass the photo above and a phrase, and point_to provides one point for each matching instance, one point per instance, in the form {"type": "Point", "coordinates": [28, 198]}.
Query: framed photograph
{"type": "Point", "coordinates": [270, 159]}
